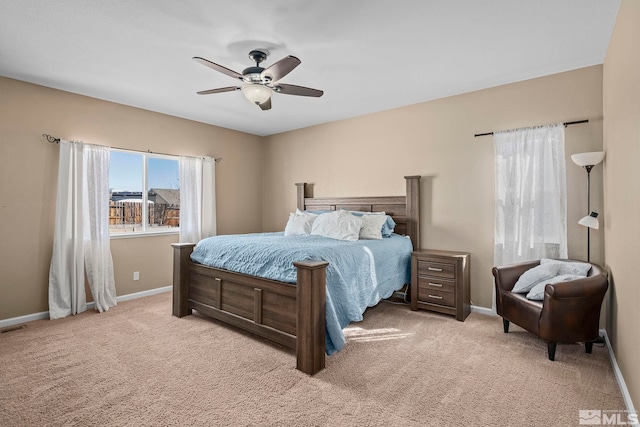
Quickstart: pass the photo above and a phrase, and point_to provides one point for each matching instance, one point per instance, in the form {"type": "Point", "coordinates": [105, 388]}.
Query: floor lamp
{"type": "Point", "coordinates": [588, 161]}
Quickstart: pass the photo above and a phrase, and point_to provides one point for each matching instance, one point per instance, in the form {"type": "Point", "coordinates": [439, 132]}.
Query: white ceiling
{"type": "Point", "coordinates": [367, 55]}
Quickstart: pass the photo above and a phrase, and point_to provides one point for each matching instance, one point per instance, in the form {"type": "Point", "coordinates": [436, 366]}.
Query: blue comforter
{"type": "Point", "coordinates": [359, 274]}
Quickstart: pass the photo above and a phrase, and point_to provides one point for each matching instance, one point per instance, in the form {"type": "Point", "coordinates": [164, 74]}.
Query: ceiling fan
{"type": "Point", "coordinates": [260, 83]}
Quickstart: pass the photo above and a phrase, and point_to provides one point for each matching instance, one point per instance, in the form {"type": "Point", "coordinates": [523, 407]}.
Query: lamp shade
{"type": "Point", "coordinates": [588, 159]}
{"type": "Point", "coordinates": [590, 221]}
{"type": "Point", "coordinates": [256, 93]}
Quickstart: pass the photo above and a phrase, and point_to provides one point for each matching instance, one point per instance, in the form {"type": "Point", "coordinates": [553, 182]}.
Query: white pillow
{"type": "Point", "coordinates": [339, 225]}
{"type": "Point", "coordinates": [534, 275]}
{"type": "Point", "coordinates": [299, 224]}
{"type": "Point", "coordinates": [372, 226]}
{"type": "Point", "coordinates": [537, 292]}
{"type": "Point", "coordinates": [576, 268]}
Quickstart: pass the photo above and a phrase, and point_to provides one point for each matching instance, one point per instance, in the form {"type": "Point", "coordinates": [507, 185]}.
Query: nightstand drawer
{"type": "Point", "coordinates": [437, 297]}
{"type": "Point", "coordinates": [430, 268]}
{"type": "Point", "coordinates": [427, 284]}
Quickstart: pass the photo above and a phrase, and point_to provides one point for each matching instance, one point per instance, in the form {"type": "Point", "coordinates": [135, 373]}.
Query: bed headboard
{"type": "Point", "coordinates": [405, 210]}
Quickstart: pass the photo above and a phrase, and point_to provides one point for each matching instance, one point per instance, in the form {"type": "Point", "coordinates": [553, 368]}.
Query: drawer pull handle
{"type": "Point", "coordinates": [435, 296]}
{"type": "Point", "coordinates": [434, 269]}
{"type": "Point", "coordinates": [438, 285]}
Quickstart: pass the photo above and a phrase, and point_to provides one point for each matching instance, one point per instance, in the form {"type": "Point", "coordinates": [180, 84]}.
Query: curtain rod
{"type": "Point", "coordinates": [565, 125]}
{"type": "Point", "coordinates": [55, 140]}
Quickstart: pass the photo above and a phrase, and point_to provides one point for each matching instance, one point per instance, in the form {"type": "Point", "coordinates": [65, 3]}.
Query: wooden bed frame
{"type": "Point", "coordinates": [288, 314]}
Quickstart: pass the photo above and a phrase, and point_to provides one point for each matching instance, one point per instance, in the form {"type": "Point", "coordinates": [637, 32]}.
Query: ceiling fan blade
{"type": "Point", "coordinates": [219, 90]}
{"type": "Point", "coordinates": [266, 105]}
{"type": "Point", "coordinates": [298, 90]}
{"type": "Point", "coordinates": [281, 68]}
{"type": "Point", "coordinates": [220, 68]}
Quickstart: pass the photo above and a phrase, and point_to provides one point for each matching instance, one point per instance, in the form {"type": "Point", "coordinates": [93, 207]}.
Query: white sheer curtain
{"type": "Point", "coordinates": [66, 274]}
{"type": "Point", "coordinates": [197, 198]}
{"type": "Point", "coordinates": [81, 236]}
{"type": "Point", "coordinates": [531, 195]}
{"type": "Point", "coordinates": [97, 244]}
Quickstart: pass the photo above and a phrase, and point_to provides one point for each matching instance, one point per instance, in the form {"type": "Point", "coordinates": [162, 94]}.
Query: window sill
{"type": "Point", "coordinates": [143, 234]}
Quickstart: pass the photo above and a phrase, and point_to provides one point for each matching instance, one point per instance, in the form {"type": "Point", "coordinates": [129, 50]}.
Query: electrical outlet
{"type": "Point", "coordinates": [136, 275]}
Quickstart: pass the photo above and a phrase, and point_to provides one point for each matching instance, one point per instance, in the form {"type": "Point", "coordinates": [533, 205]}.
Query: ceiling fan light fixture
{"type": "Point", "coordinates": [256, 93]}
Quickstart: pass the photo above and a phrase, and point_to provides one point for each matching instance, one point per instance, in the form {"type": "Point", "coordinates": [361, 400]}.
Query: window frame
{"type": "Point", "coordinates": [146, 230]}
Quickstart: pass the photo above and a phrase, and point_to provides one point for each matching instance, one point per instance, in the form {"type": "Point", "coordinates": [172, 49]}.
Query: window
{"type": "Point", "coordinates": [134, 211]}
{"type": "Point", "coordinates": [531, 195]}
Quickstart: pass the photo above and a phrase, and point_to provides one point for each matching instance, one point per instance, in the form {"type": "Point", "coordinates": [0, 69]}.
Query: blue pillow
{"type": "Point", "coordinates": [388, 227]}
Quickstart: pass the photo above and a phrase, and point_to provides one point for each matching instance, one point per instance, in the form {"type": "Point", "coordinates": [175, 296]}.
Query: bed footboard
{"type": "Point", "coordinates": [291, 315]}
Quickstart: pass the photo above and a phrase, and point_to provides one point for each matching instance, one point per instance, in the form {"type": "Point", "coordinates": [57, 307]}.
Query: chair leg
{"type": "Point", "coordinates": [588, 346]}
{"type": "Point", "coordinates": [505, 325]}
{"type": "Point", "coordinates": [551, 348]}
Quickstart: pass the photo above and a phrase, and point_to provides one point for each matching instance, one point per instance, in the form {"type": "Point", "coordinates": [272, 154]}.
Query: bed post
{"type": "Point", "coordinates": [181, 257]}
{"type": "Point", "coordinates": [311, 325]}
{"type": "Point", "coordinates": [413, 209]}
{"type": "Point", "coordinates": [300, 187]}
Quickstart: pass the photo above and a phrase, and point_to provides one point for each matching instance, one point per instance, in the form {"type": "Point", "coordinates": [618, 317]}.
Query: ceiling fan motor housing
{"type": "Point", "coordinates": [253, 75]}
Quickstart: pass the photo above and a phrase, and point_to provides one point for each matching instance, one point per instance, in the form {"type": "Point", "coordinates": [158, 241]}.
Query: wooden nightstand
{"type": "Point", "coordinates": [440, 282]}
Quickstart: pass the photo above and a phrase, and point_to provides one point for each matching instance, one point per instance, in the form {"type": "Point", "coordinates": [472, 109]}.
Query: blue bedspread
{"type": "Point", "coordinates": [359, 274]}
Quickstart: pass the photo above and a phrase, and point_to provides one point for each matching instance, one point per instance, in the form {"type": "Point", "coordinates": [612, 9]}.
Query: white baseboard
{"type": "Point", "coordinates": [138, 295]}
{"type": "Point", "coordinates": [618, 374]}
{"type": "Point", "coordinates": [45, 314]}
{"type": "Point", "coordinates": [483, 310]}
{"type": "Point", "coordinates": [24, 319]}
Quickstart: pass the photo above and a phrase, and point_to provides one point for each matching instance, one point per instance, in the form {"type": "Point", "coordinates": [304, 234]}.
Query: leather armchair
{"type": "Point", "coordinates": [570, 311]}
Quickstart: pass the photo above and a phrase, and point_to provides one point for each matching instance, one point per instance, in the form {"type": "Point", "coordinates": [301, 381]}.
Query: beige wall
{"type": "Point", "coordinates": [622, 190]}
{"type": "Point", "coordinates": [369, 156]}
{"type": "Point", "coordinates": [28, 175]}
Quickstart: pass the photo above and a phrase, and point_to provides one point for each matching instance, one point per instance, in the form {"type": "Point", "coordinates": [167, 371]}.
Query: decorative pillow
{"type": "Point", "coordinates": [534, 275]}
{"type": "Point", "coordinates": [299, 224]}
{"type": "Point", "coordinates": [339, 225]}
{"type": "Point", "coordinates": [387, 227]}
{"type": "Point", "coordinates": [576, 268]}
{"type": "Point", "coordinates": [537, 292]}
{"type": "Point", "coordinates": [372, 226]}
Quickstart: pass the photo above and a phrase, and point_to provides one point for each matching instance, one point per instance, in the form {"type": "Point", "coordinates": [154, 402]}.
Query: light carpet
{"type": "Point", "coordinates": [136, 365]}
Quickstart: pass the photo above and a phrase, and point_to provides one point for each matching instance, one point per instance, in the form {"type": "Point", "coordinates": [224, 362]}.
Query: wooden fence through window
{"type": "Point", "coordinates": [129, 214]}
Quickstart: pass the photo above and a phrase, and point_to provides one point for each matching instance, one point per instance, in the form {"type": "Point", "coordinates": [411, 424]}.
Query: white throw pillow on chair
{"type": "Point", "coordinates": [534, 275]}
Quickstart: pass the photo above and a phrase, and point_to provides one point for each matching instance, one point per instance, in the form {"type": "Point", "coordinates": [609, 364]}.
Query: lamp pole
{"type": "Point", "coordinates": [588, 168]}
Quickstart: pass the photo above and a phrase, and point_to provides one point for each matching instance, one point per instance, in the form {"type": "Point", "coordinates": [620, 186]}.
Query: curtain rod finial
{"type": "Point", "coordinates": [51, 138]}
